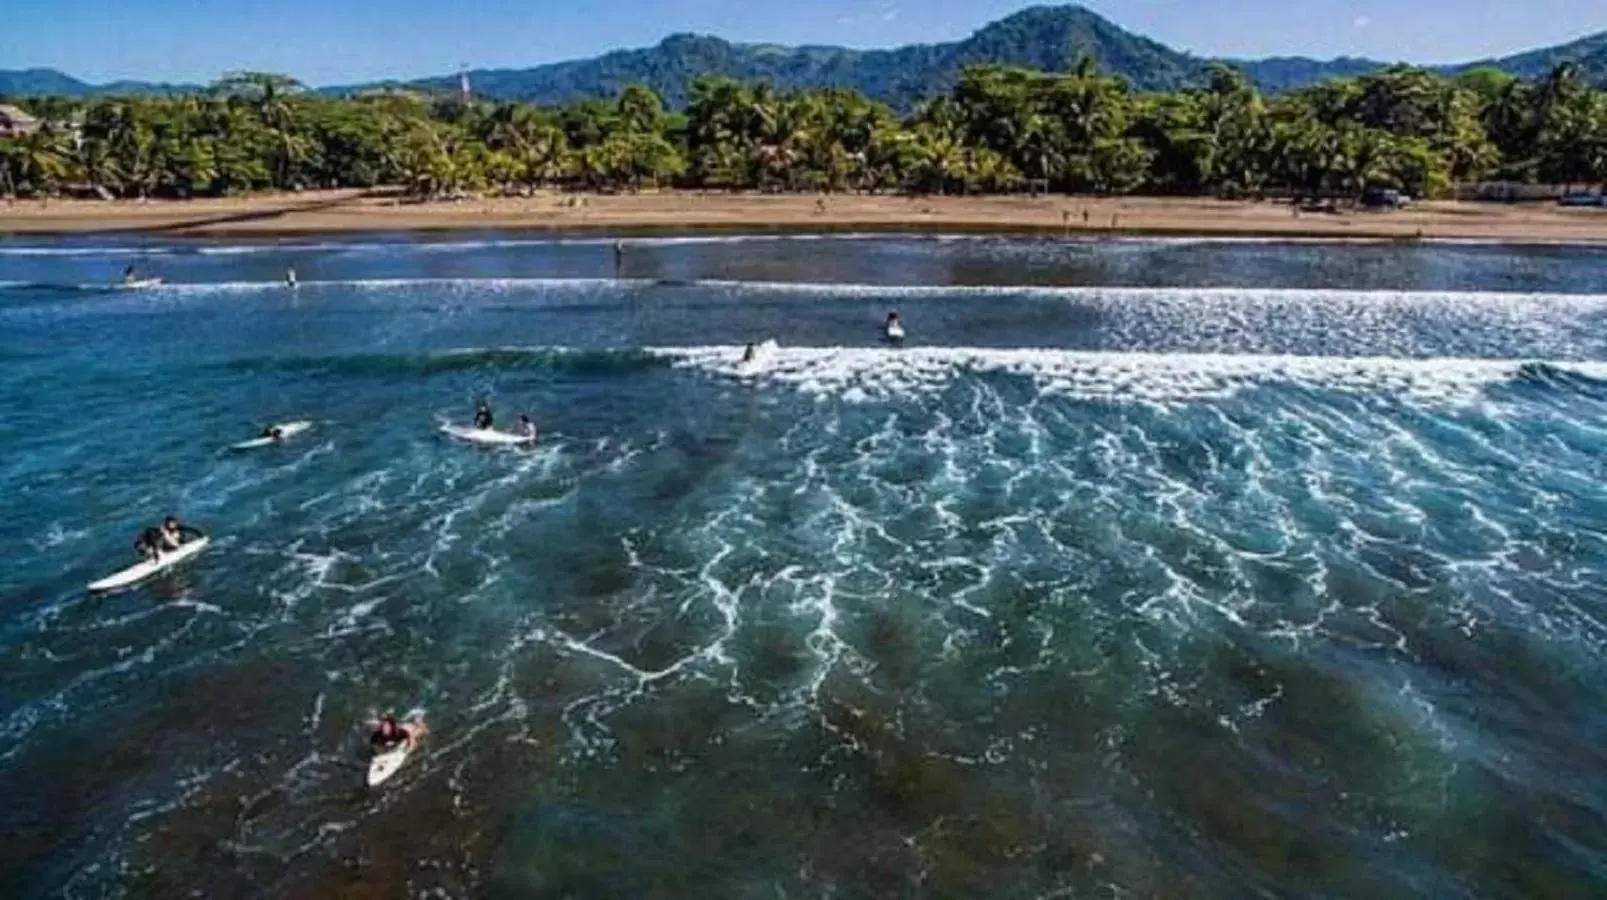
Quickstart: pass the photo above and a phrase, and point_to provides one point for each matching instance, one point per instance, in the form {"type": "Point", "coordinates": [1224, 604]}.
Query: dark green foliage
{"type": "Point", "coordinates": [997, 129]}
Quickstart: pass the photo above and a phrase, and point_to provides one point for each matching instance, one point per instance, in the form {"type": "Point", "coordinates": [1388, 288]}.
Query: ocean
{"type": "Point", "coordinates": [1145, 568]}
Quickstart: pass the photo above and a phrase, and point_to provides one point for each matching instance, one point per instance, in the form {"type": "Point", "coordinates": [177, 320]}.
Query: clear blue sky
{"type": "Point", "coordinates": [329, 41]}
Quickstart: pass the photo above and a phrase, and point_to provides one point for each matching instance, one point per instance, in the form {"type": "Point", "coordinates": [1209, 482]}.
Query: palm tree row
{"type": "Point", "coordinates": [999, 130]}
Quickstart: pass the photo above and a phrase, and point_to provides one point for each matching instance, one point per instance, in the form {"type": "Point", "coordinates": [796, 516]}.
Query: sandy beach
{"type": "Point", "coordinates": [351, 211]}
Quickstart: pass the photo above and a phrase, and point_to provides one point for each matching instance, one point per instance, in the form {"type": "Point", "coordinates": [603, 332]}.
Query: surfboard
{"type": "Point", "coordinates": [384, 765]}
{"type": "Point", "coordinates": [137, 573]}
{"type": "Point", "coordinates": [895, 332]}
{"type": "Point", "coordinates": [140, 284]}
{"type": "Point", "coordinates": [287, 430]}
{"type": "Point", "coordinates": [487, 435]}
{"type": "Point", "coordinates": [381, 766]}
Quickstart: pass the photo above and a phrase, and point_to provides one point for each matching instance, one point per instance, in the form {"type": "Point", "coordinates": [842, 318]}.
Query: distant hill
{"type": "Point", "coordinates": [49, 82]}
{"type": "Point", "coordinates": [1040, 37]}
{"type": "Point", "coordinates": [1287, 73]}
{"type": "Point", "coordinates": [1589, 52]}
{"type": "Point", "coordinates": [1043, 37]}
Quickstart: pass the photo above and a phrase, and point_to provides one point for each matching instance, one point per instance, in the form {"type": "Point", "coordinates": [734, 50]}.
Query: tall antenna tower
{"type": "Point", "coordinates": [463, 83]}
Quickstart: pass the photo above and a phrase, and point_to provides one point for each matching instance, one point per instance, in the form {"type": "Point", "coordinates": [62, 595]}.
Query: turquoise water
{"type": "Point", "coordinates": [1147, 568]}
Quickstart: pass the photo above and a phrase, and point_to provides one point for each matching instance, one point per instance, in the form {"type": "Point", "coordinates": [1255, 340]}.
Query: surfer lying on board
{"type": "Point", "coordinates": [482, 416]}
{"type": "Point", "coordinates": [273, 433]}
{"type": "Point", "coordinates": [390, 734]}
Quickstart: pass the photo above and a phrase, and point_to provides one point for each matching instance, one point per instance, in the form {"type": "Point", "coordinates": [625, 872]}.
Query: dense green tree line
{"type": "Point", "coordinates": [999, 130]}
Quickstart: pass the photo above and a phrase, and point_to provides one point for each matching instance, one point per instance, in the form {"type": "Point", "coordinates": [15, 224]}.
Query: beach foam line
{"type": "Point", "coordinates": [857, 373]}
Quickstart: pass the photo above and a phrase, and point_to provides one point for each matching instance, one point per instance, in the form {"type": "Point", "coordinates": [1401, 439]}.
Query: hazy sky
{"type": "Point", "coordinates": [329, 41]}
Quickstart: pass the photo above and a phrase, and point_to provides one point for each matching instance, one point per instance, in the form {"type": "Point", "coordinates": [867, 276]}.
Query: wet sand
{"type": "Point", "coordinates": [355, 211]}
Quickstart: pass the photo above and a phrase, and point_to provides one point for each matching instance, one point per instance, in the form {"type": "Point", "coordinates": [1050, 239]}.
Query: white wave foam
{"type": "Point", "coordinates": [1188, 299]}
{"type": "Point", "coordinates": [882, 373]}
{"type": "Point", "coordinates": [1157, 294]}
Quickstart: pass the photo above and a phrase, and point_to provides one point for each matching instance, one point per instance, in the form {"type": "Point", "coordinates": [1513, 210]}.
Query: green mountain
{"type": "Point", "coordinates": [1040, 37]}
{"type": "Point", "coordinates": [40, 82]}
{"type": "Point", "coordinates": [51, 83]}
{"type": "Point", "coordinates": [1590, 53]}
{"type": "Point", "coordinates": [1043, 37]}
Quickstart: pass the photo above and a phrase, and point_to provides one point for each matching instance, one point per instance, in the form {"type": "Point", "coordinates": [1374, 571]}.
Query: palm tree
{"type": "Point", "coordinates": [270, 95]}
{"type": "Point", "coordinates": [42, 160]}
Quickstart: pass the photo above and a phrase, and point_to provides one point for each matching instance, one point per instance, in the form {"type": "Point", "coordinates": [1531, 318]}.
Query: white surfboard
{"type": "Point", "coordinates": [895, 332]}
{"type": "Point", "coordinates": [140, 284]}
{"type": "Point", "coordinates": [287, 430]}
{"type": "Point", "coordinates": [137, 573]}
{"type": "Point", "coordinates": [383, 765]}
{"type": "Point", "coordinates": [487, 435]}
{"type": "Point", "coordinates": [762, 355]}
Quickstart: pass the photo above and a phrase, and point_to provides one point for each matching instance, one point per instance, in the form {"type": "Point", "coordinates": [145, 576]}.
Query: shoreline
{"type": "Point", "coordinates": [679, 212]}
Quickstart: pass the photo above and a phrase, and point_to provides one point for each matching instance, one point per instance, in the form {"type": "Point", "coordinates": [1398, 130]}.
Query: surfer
{"type": "Point", "coordinates": [482, 416]}
{"type": "Point", "coordinates": [390, 734]}
{"type": "Point", "coordinates": [527, 427]}
{"type": "Point", "coordinates": [129, 275]}
{"type": "Point", "coordinates": [749, 354]}
{"type": "Point", "coordinates": [619, 258]}
{"type": "Point", "coordinates": [174, 534]}
{"type": "Point", "coordinates": [290, 278]}
{"type": "Point", "coordinates": [274, 433]}
{"type": "Point", "coordinates": [894, 329]}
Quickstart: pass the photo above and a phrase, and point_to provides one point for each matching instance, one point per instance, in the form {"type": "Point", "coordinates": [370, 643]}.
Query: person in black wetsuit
{"type": "Point", "coordinates": [274, 433]}
{"type": "Point", "coordinates": [388, 735]}
{"type": "Point", "coordinates": [149, 543]}
{"type": "Point", "coordinates": [482, 416]}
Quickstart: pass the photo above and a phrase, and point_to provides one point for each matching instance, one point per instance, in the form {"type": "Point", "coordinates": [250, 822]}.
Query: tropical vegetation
{"type": "Point", "coordinates": [999, 129]}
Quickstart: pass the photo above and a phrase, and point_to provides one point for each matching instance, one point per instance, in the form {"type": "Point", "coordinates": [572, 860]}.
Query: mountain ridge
{"type": "Point", "coordinates": [1042, 37]}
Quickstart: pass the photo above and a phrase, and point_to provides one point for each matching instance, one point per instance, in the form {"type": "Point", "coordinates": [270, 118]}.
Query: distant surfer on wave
{"type": "Point", "coordinates": [482, 416]}
{"type": "Point", "coordinates": [290, 278]}
{"type": "Point", "coordinates": [274, 433]}
{"type": "Point", "coordinates": [893, 329]}
{"type": "Point", "coordinates": [129, 274]}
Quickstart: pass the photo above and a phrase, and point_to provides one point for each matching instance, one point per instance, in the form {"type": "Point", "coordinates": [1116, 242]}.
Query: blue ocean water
{"type": "Point", "coordinates": [1149, 568]}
